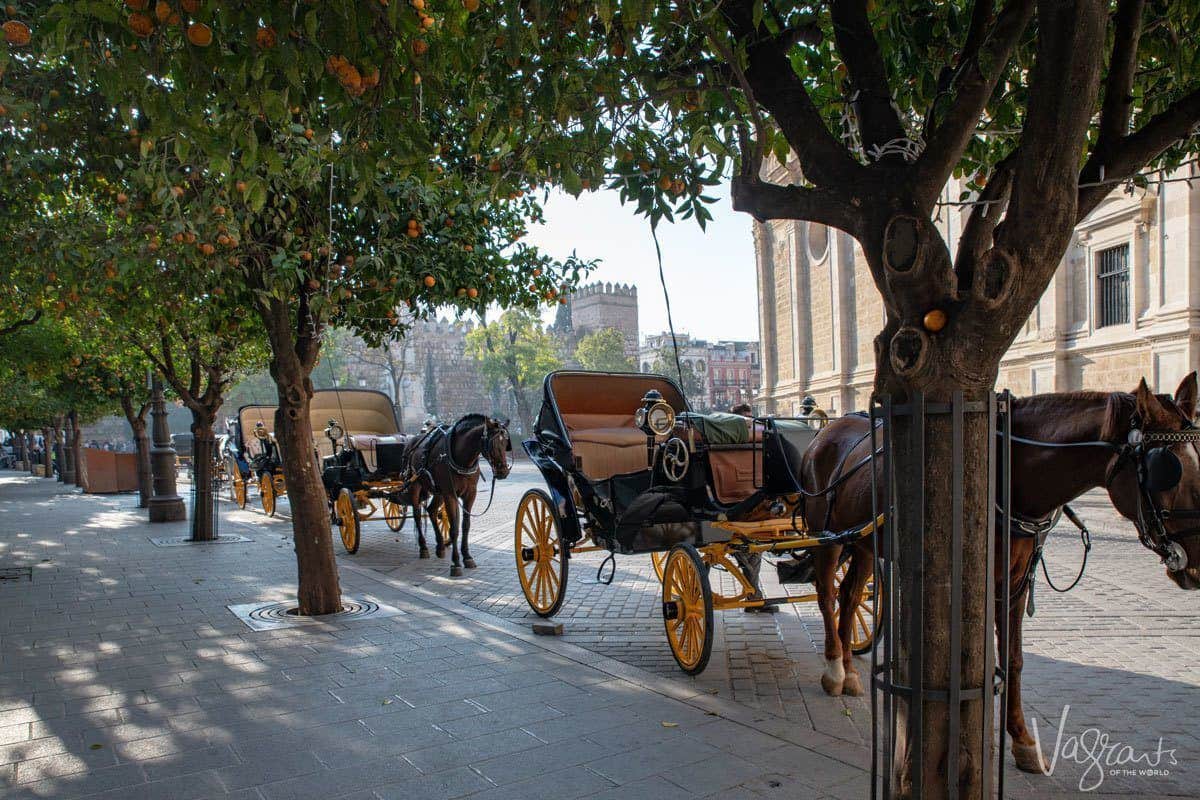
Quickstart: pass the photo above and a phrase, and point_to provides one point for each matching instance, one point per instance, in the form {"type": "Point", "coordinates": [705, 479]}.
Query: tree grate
{"type": "Point", "coordinates": [182, 541]}
{"type": "Point", "coordinates": [269, 616]}
{"type": "Point", "coordinates": [15, 574]}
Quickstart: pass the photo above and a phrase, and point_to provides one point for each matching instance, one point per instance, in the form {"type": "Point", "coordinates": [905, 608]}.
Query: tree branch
{"type": "Point", "coordinates": [21, 323]}
{"type": "Point", "coordinates": [823, 158]}
{"type": "Point", "coordinates": [977, 233]}
{"type": "Point", "coordinates": [1122, 66]}
{"type": "Point", "coordinates": [765, 201]}
{"type": "Point", "coordinates": [1135, 151]}
{"type": "Point", "coordinates": [974, 80]}
{"type": "Point", "coordinates": [877, 118]}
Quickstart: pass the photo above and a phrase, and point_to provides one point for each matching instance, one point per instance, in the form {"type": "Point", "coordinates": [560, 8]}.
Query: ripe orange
{"type": "Point", "coordinates": [664, 182]}
{"type": "Point", "coordinates": [16, 33]}
{"type": "Point", "coordinates": [420, 47]}
{"type": "Point", "coordinates": [240, 186]}
{"type": "Point", "coordinates": [199, 34]}
{"type": "Point", "coordinates": [308, 133]}
{"type": "Point", "coordinates": [471, 6]}
{"type": "Point", "coordinates": [177, 191]}
{"type": "Point", "coordinates": [207, 249]}
{"type": "Point", "coordinates": [190, 6]}
{"type": "Point", "coordinates": [163, 11]}
{"type": "Point", "coordinates": [178, 238]}
{"type": "Point", "coordinates": [430, 281]}
{"type": "Point", "coordinates": [470, 248]}
{"type": "Point", "coordinates": [265, 38]}
{"type": "Point", "coordinates": [427, 22]}
{"type": "Point", "coordinates": [419, 5]}
{"type": "Point", "coordinates": [219, 211]}
{"type": "Point", "coordinates": [472, 293]}
{"type": "Point", "coordinates": [305, 255]}
{"type": "Point", "coordinates": [122, 198]}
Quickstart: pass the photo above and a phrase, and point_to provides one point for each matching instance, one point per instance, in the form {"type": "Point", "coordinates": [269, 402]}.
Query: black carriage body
{"type": "Point", "coordinates": [625, 503]}
{"type": "Point", "coordinates": [357, 412]}
{"type": "Point", "coordinates": [262, 455]}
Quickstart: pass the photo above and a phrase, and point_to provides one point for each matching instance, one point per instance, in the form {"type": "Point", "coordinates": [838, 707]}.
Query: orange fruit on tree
{"type": "Point", "coordinates": [420, 47]}
{"type": "Point", "coordinates": [16, 33]}
{"type": "Point", "coordinates": [199, 34]}
{"type": "Point", "coordinates": [265, 38]}
{"type": "Point", "coordinates": [163, 11]}
{"type": "Point", "coordinates": [472, 293]}
{"type": "Point", "coordinates": [122, 198]}
{"type": "Point", "coordinates": [240, 186]}
{"type": "Point", "coordinates": [177, 191]}
{"type": "Point", "coordinates": [190, 6]}
{"type": "Point", "coordinates": [664, 182]}
{"type": "Point", "coordinates": [430, 281]}
{"type": "Point", "coordinates": [305, 255]}
{"type": "Point", "coordinates": [419, 5]}
{"type": "Point", "coordinates": [471, 6]}
{"type": "Point", "coordinates": [308, 133]}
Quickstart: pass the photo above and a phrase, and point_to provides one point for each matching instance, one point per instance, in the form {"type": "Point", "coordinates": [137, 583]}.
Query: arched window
{"type": "Point", "coordinates": [817, 237]}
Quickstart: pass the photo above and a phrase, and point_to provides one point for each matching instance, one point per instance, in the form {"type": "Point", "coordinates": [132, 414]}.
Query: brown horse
{"type": "Point", "coordinates": [1118, 435]}
{"type": "Point", "coordinates": [445, 466]}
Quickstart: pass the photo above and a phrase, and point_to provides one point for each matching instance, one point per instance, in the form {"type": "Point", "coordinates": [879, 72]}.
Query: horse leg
{"type": "Point", "coordinates": [1025, 748]}
{"type": "Point", "coordinates": [439, 535]}
{"type": "Point", "coordinates": [452, 511]}
{"type": "Point", "coordinates": [858, 570]}
{"type": "Point", "coordinates": [834, 676]}
{"type": "Point", "coordinates": [414, 497]}
{"type": "Point", "coordinates": [468, 500]}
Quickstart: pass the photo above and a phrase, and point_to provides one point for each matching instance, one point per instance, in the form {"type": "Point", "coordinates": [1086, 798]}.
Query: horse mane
{"type": "Point", "coordinates": [1062, 410]}
{"type": "Point", "coordinates": [470, 420]}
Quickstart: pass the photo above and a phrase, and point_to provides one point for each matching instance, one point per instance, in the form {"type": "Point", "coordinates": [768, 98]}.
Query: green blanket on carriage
{"type": "Point", "coordinates": [721, 428]}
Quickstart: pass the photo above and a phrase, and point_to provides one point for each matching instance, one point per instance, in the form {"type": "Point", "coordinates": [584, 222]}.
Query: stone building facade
{"type": "Point", "coordinates": [595, 307]}
{"type": "Point", "coordinates": [1124, 303]}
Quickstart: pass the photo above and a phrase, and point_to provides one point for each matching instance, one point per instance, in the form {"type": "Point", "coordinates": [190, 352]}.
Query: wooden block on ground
{"type": "Point", "coordinates": [548, 628]}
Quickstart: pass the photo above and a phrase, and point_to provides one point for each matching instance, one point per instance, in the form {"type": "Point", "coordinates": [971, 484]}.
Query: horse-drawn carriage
{"type": "Point", "coordinates": [252, 455]}
{"type": "Point", "coordinates": [629, 469]}
{"type": "Point", "coordinates": [363, 460]}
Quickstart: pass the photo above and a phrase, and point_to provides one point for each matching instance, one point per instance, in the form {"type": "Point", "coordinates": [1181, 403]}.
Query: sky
{"type": "Point", "coordinates": [710, 274]}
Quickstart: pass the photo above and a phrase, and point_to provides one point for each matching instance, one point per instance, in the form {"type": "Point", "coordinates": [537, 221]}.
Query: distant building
{"type": "Point", "coordinates": [728, 371]}
{"type": "Point", "coordinates": [1121, 306]}
{"type": "Point", "coordinates": [595, 307]}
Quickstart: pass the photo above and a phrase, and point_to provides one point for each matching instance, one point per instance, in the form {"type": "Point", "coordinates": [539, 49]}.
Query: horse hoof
{"type": "Point", "coordinates": [833, 679]}
{"type": "Point", "coordinates": [852, 686]}
{"type": "Point", "coordinates": [1029, 758]}
{"type": "Point", "coordinates": [424, 553]}
{"type": "Point", "coordinates": [441, 552]}
{"type": "Point", "coordinates": [456, 572]}
{"type": "Point", "coordinates": [469, 563]}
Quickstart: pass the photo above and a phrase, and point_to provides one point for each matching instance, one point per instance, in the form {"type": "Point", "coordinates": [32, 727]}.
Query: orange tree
{"type": "Point", "coordinates": [355, 158]}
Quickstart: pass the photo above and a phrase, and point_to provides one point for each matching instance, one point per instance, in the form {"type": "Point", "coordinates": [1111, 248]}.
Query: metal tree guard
{"type": "Point", "coordinates": [890, 691]}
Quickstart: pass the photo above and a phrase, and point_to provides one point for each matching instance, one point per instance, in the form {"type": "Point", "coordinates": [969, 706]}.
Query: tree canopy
{"type": "Point", "coordinates": [604, 350]}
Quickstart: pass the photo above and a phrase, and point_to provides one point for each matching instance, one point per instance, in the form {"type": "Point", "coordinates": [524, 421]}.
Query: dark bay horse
{"type": "Point", "coordinates": [444, 464]}
{"type": "Point", "coordinates": [1122, 430]}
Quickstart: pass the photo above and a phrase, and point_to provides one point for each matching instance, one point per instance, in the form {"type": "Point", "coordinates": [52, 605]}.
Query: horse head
{"type": "Point", "coordinates": [497, 444]}
{"type": "Point", "coordinates": [1155, 480]}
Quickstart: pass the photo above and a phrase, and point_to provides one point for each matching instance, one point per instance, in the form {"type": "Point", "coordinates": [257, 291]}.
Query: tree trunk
{"type": "Point", "coordinates": [522, 405]}
{"type": "Point", "coordinates": [59, 460]}
{"type": "Point", "coordinates": [913, 267]}
{"type": "Point", "coordinates": [29, 454]}
{"type": "Point", "coordinates": [203, 444]}
{"type": "Point", "coordinates": [47, 453]}
{"type": "Point", "coordinates": [76, 446]}
{"type": "Point", "coordinates": [319, 590]}
{"type": "Point", "coordinates": [141, 444]}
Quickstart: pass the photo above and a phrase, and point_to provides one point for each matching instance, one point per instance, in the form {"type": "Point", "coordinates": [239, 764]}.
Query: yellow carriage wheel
{"type": "Point", "coordinates": [542, 562]}
{"type": "Point", "coordinates": [266, 493]}
{"type": "Point", "coordinates": [394, 514]}
{"type": "Point", "coordinates": [862, 635]}
{"type": "Point", "coordinates": [657, 560]}
{"type": "Point", "coordinates": [347, 519]}
{"type": "Point", "coordinates": [688, 608]}
{"type": "Point", "coordinates": [237, 487]}
{"type": "Point", "coordinates": [443, 525]}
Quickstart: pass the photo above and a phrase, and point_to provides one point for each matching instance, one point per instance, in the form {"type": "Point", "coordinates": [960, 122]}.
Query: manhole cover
{"type": "Point", "coordinates": [15, 574]}
{"type": "Point", "coordinates": [183, 541]}
{"type": "Point", "coordinates": [268, 616]}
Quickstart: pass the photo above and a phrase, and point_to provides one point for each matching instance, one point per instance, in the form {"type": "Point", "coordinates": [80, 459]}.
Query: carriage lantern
{"type": "Point", "coordinates": [656, 417]}
{"type": "Point", "coordinates": [334, 432]}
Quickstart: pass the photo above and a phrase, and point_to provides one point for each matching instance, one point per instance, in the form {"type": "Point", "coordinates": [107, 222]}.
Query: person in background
{"type": "Point", "coordinates": [751, 563]}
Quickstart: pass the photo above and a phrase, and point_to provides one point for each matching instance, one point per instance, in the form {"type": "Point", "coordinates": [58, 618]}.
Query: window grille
{"type": "Point", "coordinates": [1112, 278]}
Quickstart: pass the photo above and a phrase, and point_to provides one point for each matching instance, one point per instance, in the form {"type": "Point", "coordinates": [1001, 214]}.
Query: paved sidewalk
{"type": "Point", "coordinates": [124, 675]}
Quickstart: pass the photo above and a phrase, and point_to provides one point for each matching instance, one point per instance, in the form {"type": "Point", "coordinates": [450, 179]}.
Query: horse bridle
{"type": "Point", "coordinates": [1158, 471]}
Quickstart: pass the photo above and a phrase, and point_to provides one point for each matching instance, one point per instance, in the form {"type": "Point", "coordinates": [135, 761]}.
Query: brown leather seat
{"type": "Point", "coordinates": [610, 445]}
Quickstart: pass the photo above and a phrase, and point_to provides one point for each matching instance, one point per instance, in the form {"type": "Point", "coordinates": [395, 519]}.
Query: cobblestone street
{"type": "Point", "coordinates": [130, 647]}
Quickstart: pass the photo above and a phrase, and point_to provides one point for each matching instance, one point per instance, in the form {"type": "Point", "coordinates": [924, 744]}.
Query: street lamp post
{"type": "Point", "coordinates": [166, 505]}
